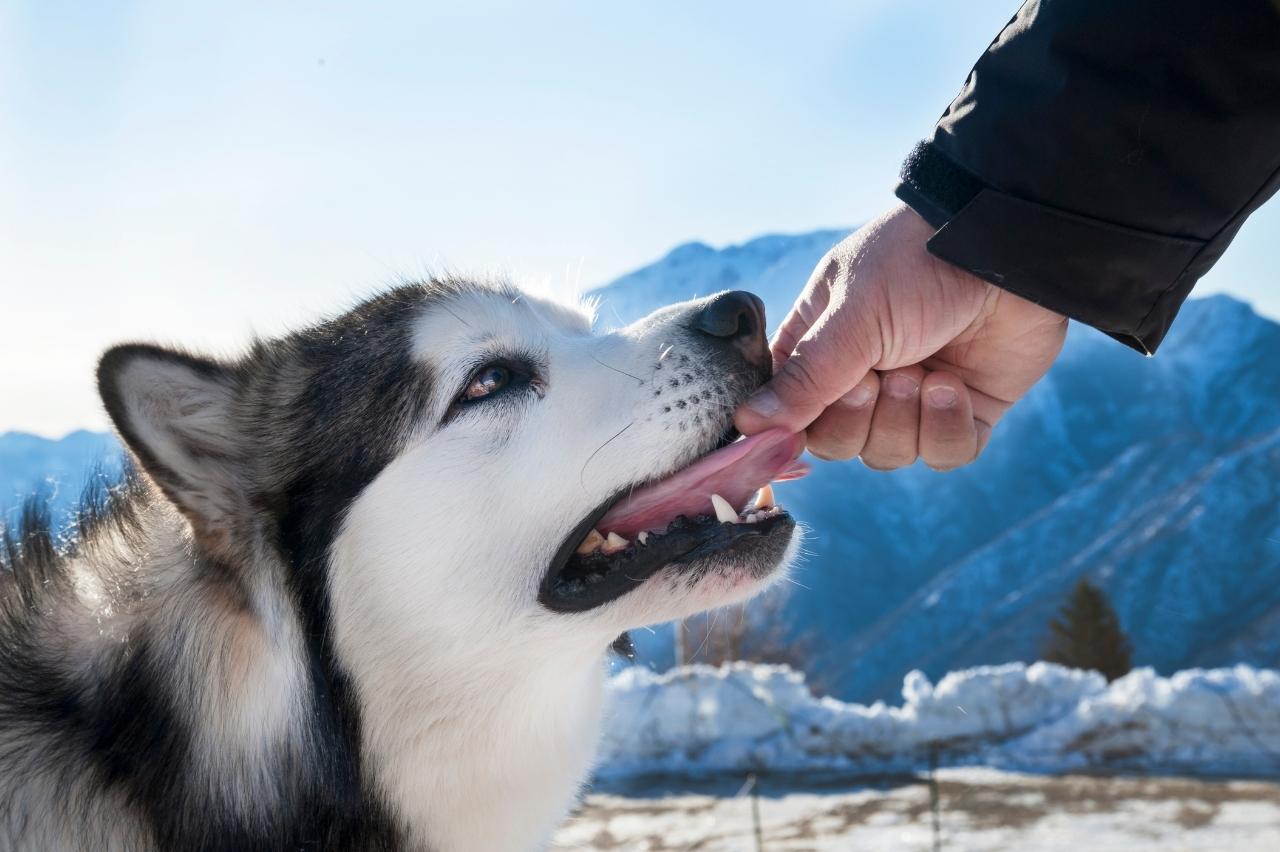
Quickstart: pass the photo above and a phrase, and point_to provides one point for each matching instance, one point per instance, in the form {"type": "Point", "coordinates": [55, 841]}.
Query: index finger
{"type": "Point", "coordinates": [824, 365]}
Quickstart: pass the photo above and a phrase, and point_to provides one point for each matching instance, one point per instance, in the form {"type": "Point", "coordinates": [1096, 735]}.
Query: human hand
{"type": "Point", "coordinates": [892, 354]}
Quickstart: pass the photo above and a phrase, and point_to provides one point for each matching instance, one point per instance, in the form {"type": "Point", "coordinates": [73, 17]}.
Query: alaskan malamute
{"type": "Point", "coordinates": [359, 592]}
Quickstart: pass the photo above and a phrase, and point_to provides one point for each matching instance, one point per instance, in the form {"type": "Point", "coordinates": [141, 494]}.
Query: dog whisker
{"type": "Point", "coordinates": [451, 312]}
{"type": "Point", "coordinates": [715, 618]}
{"type": "Point", "coordinates": [583, 473]}
{"type": "Point", "coordinates": [341, 490]}
{"type": "Point", "coordinates": [616, 370]}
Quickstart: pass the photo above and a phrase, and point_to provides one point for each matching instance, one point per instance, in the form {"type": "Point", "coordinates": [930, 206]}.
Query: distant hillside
{"type": "Point", "coordinates": [774, 267]}
{"type": "Point", "coordinates": [55, 470]}
{"type": "Point", "coordinates": [1158, 478]}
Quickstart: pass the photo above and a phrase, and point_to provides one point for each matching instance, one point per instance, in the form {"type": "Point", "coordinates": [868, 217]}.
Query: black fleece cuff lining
{"type": "Point", "coordinates": [1122, 281]}
{"type": "Point", "coordinates": [1107, 276]}
{"type": "Point", "coordinates": [934, 185]}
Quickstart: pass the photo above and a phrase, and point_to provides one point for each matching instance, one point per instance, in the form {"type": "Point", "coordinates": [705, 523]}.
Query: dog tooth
{"type": "Point", "coordinates": [614, 543]}
{"type": "Point", "coordinates": [724, 512]}
{"type": "Point", "coordinates": [643, 537]}
{"type": "Point", "coordinates": [591, 543]}
{"type": "Point", "coordinates": [764, 498]}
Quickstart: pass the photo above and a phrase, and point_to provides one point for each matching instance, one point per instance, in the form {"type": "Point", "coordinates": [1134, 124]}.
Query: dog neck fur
{"type": "Point", "coordinates": [313, 620]}
{"type": "Point", "coordinates": [479, 745]}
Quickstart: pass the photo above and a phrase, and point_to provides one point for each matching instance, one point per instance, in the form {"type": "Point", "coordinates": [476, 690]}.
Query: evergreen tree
{"type": "Point", "coordinates": [1087, 634]}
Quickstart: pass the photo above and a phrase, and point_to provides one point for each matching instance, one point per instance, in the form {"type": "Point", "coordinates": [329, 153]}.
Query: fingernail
{"type": "Point", "coordinates": [858, 397]}
{"type": "Point", "coordinates": [942, 397]}
{"type": "Point", "coordinates": [900, 386]}
{"type": "Point", "coordinates": [765, 403]}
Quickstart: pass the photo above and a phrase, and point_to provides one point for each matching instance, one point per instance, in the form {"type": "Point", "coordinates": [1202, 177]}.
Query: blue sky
{"type": "Point", "coordinates": [197, 173]}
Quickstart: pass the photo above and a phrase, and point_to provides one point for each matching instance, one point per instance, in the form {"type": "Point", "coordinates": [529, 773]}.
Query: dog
{"type": "Point", "coordinates": [359, 591]}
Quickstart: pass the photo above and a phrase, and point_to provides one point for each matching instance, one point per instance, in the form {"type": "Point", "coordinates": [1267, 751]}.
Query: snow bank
{"type": "Point", "coordinates": [1219, 720]}
{"type": "Point", "coordinates": [744, 717]}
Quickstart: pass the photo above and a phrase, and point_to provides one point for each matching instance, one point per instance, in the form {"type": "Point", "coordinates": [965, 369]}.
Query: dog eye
{"type": "Point", "coordinates": [487, 381]}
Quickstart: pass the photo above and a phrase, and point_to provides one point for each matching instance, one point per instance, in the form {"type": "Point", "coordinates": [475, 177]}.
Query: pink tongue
{"type": "Point", "coordinates": [734, 472]}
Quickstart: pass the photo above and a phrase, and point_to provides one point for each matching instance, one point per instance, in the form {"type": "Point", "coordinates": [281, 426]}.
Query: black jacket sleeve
{"type": "Point", "coordinates": [1103, 153]}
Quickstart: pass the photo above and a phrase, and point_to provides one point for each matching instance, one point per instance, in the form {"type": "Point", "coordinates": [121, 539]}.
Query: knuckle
{"type": "Point", "coordinates": [886, 461]}
{"type": "Point", "coordinates": [950, 451]}
{"type": "Point", "coordinates": [831, 455]}
{"type": "Point", "coordinates": [835, 450]}
{"type": "Point", "coordinates": [800, 376]}
{"type": "Point", "coordinates": [831, 264]}
{"type": "Point", "coordinates": [831, 443]}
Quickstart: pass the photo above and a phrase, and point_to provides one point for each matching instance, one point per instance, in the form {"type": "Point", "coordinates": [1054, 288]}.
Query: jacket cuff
{"type": "Point", "coordinates": [1125, 282]}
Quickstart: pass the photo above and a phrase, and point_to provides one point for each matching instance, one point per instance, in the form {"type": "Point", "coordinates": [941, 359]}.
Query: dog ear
{"type": "Point", "coordinates": [175, 412]}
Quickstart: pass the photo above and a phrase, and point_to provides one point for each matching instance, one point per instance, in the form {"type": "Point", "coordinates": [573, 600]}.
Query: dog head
{"type": "Point", "coordinates": [452, 464]}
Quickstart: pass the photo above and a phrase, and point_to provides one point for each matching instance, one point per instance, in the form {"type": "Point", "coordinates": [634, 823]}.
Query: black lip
{"type": "Point", "coordinates": [687, 540]}
{"type": "Point", "coordinates": [637, 564]}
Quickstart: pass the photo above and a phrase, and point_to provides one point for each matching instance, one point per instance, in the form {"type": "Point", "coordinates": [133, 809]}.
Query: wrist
{"type": "Point", "coordinates": [957, 279]}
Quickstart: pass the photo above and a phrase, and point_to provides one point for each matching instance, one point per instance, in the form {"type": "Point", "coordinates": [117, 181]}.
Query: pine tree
{"type": "Point", "coordinates": [1087, 634]}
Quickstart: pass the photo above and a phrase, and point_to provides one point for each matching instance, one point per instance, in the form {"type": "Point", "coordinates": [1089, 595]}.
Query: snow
{"type": "Point", "coordinates": [1040, 717]}
{"type": "Point", "coordinates": [1226, 720]}
{"type": "Point", "coordinates": [974, 810]}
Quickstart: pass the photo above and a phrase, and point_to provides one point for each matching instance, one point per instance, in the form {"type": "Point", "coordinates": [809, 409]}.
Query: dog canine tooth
{"type": "Point", "coordinates": [724, 512]}
{"type": "Point", "coordinates": [396, 596]}
{"type": "Point", "coordinates": [764, 498]}
{"type": "Point", "coordinates": [591, 543]}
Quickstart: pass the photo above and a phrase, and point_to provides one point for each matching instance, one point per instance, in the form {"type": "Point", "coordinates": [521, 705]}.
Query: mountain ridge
{"type": "Point", "coordinates": [1157, 478]}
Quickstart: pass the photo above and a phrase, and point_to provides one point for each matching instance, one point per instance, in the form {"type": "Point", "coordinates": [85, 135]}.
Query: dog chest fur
{"type": "Point", "coordinates": [310, 619]}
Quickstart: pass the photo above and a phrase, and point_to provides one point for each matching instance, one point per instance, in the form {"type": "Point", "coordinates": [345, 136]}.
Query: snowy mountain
{"type": "Point", "coordinates": [1157, 478]}
{"type": "Point", "coordinates": [55, 470]}
{"type": "Point", "coordinates": [773, 267]}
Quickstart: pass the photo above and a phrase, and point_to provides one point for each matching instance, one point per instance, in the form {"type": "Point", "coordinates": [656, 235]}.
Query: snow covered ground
{"type": "Point", "coordinates": [966, 810]}
{"type": "Point", "coordinates": [1034, 757]}
{"type": "Point", "coordinates": [754, 718]}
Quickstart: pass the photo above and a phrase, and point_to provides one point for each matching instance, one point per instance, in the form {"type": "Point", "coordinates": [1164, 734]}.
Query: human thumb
{"type": "Point", "coordinates": [825, 365]}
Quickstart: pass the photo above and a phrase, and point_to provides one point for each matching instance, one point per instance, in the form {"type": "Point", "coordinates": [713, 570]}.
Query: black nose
{"type": "Point", "coordinates": [736, 317]}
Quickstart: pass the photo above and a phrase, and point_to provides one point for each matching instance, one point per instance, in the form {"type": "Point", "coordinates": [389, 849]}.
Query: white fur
{"type": "Point", "coordinates": [481, 708]}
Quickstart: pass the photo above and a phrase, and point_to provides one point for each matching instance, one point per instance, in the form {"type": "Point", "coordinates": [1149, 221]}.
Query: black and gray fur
{"type": "Point", "coordinates": [99, 721]}
{"type": "Point", "coordinates": [170, 675]}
